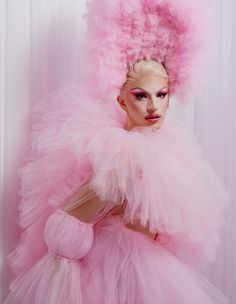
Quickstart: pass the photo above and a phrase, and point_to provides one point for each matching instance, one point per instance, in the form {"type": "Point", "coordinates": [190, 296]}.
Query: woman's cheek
{"type": "Point", "coordinates": [135, 108]}
{"type": "Point", "coordinates": [140, 107]}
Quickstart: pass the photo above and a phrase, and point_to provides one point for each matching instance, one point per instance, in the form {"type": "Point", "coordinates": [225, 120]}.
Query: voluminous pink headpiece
{"type": "Point", "coordinates": [121, 32]}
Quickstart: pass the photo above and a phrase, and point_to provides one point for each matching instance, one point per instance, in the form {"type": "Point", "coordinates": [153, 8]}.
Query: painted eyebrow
{"type": "Point", "coordinates": [146, 91]}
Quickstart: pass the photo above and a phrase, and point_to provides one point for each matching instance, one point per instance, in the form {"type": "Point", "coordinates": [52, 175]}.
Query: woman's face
{"type": "Point", "coordinates": [144, 99]}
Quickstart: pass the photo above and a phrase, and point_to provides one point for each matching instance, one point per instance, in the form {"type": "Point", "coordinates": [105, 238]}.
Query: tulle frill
{"type": "Point", "coordinates": [125, 266]}
{"type": "Point", "coordinates": [166, 182]}
{"type": "Point", "coordinates": [51, 280]}
{"type": "Point", "coordinates": [52, 172]}
{"type": "Point", "coordinates": [160, 173]}
{"type": "Point", "coordinates": [122, 267]}
{"type": "Point", "coordinates": [59, 276]}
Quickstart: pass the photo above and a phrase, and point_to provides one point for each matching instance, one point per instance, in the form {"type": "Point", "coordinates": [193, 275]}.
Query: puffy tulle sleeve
{"type": "Point", "coordinates": [166, 183]}
{"type": "Point", "coordinates": [59, 276]}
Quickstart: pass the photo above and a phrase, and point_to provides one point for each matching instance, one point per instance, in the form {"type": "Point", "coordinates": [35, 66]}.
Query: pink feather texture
{"type": "Point", "coordinates": [119, 33]}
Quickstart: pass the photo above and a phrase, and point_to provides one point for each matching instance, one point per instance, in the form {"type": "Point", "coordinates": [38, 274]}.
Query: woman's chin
{"type": "Point", "coordinates": [156, 125]}
{"type": "Point", "coordinates": [144, 123]}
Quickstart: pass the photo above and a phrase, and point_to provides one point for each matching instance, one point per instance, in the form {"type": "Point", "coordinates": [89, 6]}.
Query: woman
{"type": "Point", "coordinates": [118, 206]}
{"type": "Point", "coordinates": [109, 250]}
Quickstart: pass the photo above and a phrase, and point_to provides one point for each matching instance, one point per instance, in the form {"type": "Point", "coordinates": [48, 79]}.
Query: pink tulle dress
{"type": "Point", "coordinates": [165, 181]}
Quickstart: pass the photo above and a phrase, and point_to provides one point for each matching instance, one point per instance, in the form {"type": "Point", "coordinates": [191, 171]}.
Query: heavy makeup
{"type": "Point", "coordinates": [145, 100]}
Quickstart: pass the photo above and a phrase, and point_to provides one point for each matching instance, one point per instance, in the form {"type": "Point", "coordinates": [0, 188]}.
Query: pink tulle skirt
{"type": "Point", "coordinates": [126, 266]}
{"type": "Point", "coordinates": [122, 267]}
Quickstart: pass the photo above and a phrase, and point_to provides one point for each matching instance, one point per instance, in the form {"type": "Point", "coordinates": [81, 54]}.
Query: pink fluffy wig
{"type": "Point", "coordinates": [121, 32]}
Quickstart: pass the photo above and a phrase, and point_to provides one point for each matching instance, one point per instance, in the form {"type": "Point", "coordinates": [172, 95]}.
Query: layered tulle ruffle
{"type": "Point", "coordinates": [52, 172]}
{"type": "Point", "coordinates": [125, 266]}
{"type": "Point", "coordinates": [59, 277]}
{"type": "Point", "coordinates": [160, 173]}
{"type": "Point", "coordinates": [122, 267]}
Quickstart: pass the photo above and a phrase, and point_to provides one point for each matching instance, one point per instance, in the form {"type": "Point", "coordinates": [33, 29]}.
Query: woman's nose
{"type": "Point", "coordinates": [152, 105]}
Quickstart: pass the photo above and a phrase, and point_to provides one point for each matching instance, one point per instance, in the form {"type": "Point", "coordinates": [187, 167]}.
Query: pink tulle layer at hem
{"type": "Point", "coordinates": [123, 266]}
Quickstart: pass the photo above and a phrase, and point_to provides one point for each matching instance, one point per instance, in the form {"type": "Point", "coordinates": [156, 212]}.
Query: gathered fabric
{"type": "Point", "coordinates": [162, 177]}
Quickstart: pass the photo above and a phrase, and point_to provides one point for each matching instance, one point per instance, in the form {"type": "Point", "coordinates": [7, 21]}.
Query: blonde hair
{"type": "Point", "coordinates": [144, 67]}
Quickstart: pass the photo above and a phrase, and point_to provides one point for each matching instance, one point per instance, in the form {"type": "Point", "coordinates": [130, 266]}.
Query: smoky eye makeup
{"type": "Point", "coordinates": [162, 94]}
{"type": "Point", "coordinates": [140, 94]}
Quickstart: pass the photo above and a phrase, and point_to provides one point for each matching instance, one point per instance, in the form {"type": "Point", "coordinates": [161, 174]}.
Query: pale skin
{"type": "Point", "coordinates": [146, 95]}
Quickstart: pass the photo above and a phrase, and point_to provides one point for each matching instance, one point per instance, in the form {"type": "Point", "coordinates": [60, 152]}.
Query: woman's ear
{"type": "Point", "coordinates": [121, 102]}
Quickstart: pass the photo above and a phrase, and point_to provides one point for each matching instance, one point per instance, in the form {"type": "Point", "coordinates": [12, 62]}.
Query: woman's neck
{"type": "Point", "coordinates": [128, 124]}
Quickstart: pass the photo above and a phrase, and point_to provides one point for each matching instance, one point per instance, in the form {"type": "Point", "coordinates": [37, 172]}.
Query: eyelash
{"type": "Point", "coordinates": [142, 95]}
